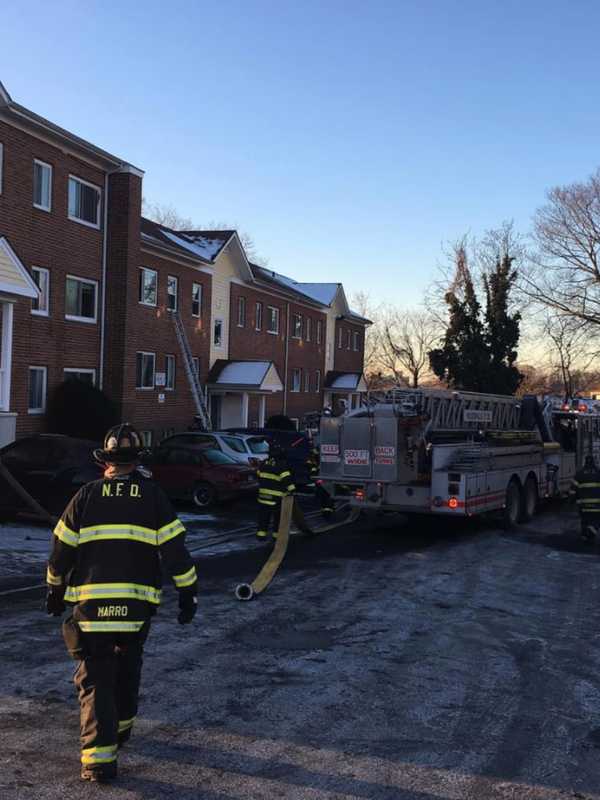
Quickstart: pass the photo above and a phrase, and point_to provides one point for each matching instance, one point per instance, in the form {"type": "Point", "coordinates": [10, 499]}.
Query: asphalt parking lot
{"type": "Point", "coordinates": [393, 659]}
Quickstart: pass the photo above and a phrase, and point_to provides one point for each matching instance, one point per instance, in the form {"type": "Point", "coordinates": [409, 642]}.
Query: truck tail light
{"type": "Point", "coordinates": [359, 494]}
{"type": "Point", "coordinates": [452, 502]}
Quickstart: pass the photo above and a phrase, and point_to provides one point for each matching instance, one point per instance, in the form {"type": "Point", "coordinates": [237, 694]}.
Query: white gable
{"type": "Point", "coordinates": [14, 278]}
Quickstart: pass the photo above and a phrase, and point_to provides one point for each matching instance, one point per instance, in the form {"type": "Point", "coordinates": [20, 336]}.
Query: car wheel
{"type": "Point", "coordinates": [512, 504]}
{"type": "Point", "coordinates": [203, 495]}
{"type": "Point", "coordinates": [529, 500]}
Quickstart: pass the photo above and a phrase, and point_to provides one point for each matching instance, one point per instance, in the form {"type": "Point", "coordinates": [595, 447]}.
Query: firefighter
{"type": "Point", "coordinates": [322, 495]}
{"type": "Point", "coordinates": [107, 552]}
{"type": "Point", "coordinates": [586, 488]}
{"type": "Point", "coordinates": [275, 481]}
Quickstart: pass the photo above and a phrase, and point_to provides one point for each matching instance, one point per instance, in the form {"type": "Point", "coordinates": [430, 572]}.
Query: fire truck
{"type": "Point", "coordinates": [457, 453]}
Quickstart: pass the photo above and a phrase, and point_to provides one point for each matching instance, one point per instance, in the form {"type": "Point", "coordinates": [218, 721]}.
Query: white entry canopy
{"type": "Point", "coordinates": [345, 382]}
{"type": "Point", "coordinates": [14, 278]}
{"type": "Point", "coordinates": [256, 376]}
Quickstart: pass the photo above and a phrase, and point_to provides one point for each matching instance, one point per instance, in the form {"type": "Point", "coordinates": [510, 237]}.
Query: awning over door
{"type": "Point", "coordinates": [14, 278]}
{"type": "Point", "coordinates": [345, 382]}
{"type": "Point", "coordinates": [244, 376]}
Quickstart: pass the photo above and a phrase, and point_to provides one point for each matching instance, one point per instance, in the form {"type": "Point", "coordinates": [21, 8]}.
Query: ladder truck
{"type": "Point", "coordinates": [456, 453]}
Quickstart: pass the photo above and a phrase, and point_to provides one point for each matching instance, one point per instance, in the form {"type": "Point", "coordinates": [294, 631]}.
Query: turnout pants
{"type": "Point", "coordinates": [268, 516]}
{"type": "Point", "coordinates": [107, 680]}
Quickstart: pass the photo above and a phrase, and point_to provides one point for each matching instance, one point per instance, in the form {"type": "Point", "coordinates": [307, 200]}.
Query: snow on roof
{"type": "Point", "coordinates": [323, 293]}
{"type": "Point", "coordinates": [244, 373]}
{"type": "Point", "coordinates": [346, 381]}
{"type": "Point", "coordinates": [199, 245]}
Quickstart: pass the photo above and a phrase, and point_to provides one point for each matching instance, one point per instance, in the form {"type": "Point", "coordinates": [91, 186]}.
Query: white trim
{"type": "Point", "coordinates": [40, 312]}
{"type": "Point", "coordinates": [297, 318]}
{"type": "Point", "coordinates": [41, 163]}
{"type": "Point", "coordinates": [221, 344]}
{"type": "Point", "coordinates": [82, 371]}
{"type": "Point", "coordinates": [278, 315]}
{"type": "Point", "coordinates": [74, 317]}
{"type": "Point", "coordinates": [6, 354]}
{"type": "Point", "coordinates": [10, 288]}
{"type": "Point", "coordinates": [145, 353]}
{"type": "Point", "coordinates": [257, 304]}
{"type": "Point", "coordinates": [143, 302]}
{"type": "Point", "coordinates": [199, 314]}
{"type": "Point", "coordinates": [317, 380]}
{"type": "Point", "coordinates": [176, 295]}
{"type": "Point", "coordinates": [166, 386]}
{"type": "Point", "coordinates": [96, 225]}
{"type": "Point", "coordinates": [298, 371]}
{"type": "Point", "coordinates": [241, 304]}
{"type": "Point", "coordinates": [44, 370]}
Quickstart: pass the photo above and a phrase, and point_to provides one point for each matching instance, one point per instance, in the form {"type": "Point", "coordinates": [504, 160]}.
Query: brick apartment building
{"type": "Point", "coordinates": [89, 289]}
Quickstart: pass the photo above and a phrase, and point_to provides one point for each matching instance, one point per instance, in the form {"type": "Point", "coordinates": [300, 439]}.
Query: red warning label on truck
{"type": "Point", "coordinates": [330, 449]}
{"type": "Point", "coordinates": [385, 455]}
{"type": "Point", "coordinates": [356, 458]}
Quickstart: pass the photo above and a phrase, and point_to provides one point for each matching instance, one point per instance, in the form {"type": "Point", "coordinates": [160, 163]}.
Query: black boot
{"type": "Point", "coordinates": [99, 773]}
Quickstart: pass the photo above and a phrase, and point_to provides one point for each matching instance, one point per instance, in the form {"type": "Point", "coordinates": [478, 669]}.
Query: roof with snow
{"type": "Point", "coordinates": [259, 376]}
{"type": "Point", "coordinates": [202, 245]}
{"type": "Point", "coordinates": [320, 293]}
{"type": "Point", "coordinates": [345, 381]}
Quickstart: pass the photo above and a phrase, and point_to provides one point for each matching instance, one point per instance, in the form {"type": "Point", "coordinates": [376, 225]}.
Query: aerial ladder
{"type": "Point", "coordinates": [191, 374]}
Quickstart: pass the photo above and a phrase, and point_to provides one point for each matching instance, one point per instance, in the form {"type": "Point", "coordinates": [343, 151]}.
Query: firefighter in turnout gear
{"type": "Point", "coordinates": [322, 495]}
{"type": "Point", "coordinates": [107, 553]}
{"type": "Point", "coordinates": [586, 488]}
{"type": "Point", "coordinates": [274, 482]}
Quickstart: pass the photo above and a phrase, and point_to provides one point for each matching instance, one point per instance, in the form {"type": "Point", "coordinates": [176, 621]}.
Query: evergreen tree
{"type": "Point", "coordinates": [502, 328]}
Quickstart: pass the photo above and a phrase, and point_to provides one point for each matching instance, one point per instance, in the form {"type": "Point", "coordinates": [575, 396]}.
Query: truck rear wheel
{"type": "Point", "coordinates": [512, 504]}
{"type": "Point", "coordinates": [529, 500]}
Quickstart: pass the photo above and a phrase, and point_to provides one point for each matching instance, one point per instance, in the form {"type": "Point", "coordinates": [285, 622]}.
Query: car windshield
{"type": "Point", "coordinates": [237, 445]}
{"type": "Point", "coordinates": [217, 457]}
{"type": "Point", "coordinates": [258, 445]}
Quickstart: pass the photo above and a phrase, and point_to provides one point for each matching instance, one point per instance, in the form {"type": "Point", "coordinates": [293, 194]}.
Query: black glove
{"type": "Point", "coordinates": [188, 605]}
{"type": "Point", "coordinates": [55, 605]}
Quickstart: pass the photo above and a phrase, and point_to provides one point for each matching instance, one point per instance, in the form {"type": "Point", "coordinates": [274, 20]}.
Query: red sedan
{"type": "Point", "coordinates": [204, 476]}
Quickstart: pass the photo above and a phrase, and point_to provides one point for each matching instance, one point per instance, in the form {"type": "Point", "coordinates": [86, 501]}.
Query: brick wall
{"type": "Point", "coordinates": [346, 359]}
{"type": "Point", "coordinates": [49, 240]}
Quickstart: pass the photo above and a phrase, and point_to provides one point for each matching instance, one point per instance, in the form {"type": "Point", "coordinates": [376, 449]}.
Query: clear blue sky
{"type": "Point", "coordinates": [349, 139]}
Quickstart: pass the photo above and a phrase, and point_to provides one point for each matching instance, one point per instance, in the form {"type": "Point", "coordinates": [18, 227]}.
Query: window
{"type": "Point", "coordinates": [306, 381]}
{"type": "Point", "coordinates": [80, 300]}
{"type": "Point", "coordinates": [296, 380]}
{"type": "Point", "coordinates": [147, 438]}
{"type": "Point", "coordinates": [272, 319]}
{"type": "Point", "coordinates": [235, 444]}
{"type": "Point", "coordinates": [37, 390]}
{"type": "Point", "coordinates": [41, 304]}
{"type": "Point", "coordinates": [348, 339]}
{"type": "Point", "coordinates": [355, 341]}
{"type": "Point", "coordinates": [84, 202]}
{"type": "Point", "coordinates": [170, 366]}
{"type": "Point", "coordinates": [85, 375]}
{"type": "Point", "coordinates": [218, 333]}
{"type": "Point", "coordinates": [196, 363]}
{"type": "Point", "coordinates": [319, 331]}
{"type": "Point", "coordinates": [340, 335]}
{"type": "Point", "coordinates": [318, 380]}
{"type": "Point", "coordinates": [296, 326]}
{"type": "Point", "coordinates": [144, 370]}
{"type": "Point", "coordinates": [258, 317]}
{"type": "Point", "coordinates": [196, 299]}
{"type": "Point", "coordinates": [42, 185]}
{"type": "Point", "coordinates": [307, 329]}
{"type": "Point", "coordinates": [241, 312]}
{"type": "Point", "coordinates": [148, 286]}
{"type": "Point", "coordinates": [172, 293]}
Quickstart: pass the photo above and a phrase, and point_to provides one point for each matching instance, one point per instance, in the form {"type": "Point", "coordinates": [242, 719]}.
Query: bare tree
{"type": "Point", "coordinates": [564, 273]}
{"type": "Point", "coordinates": [168, 216]}
{"type": "Point", "coordinates": [572, 352]}
{"type": "Point", "coordinates": [361, 303]}
{"type": "Point", "coordinates": [408, 336]}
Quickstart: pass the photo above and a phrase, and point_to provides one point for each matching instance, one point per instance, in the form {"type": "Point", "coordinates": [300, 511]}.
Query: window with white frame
{"type": "Point", "coordinates": [170, 366]}
{"type": "Point", "coordinates": [241, 312]}
{"type": "Point", "coordinates": [1, 165]}
{"type": "Point", "coordinates": [307, 328]}
{"type": "Point", "coordinates": [355, 341]}
{"type": "Point", "coordinates": [218, 333]}
{"type": "Point", "coordinates": [41, 305]}
{"type": "Point", "coordinates": [81, 299]}
{"type": "Point", "coordinates": [340, 337]}
{"type": "Point", "coordinates": [258, 317]}
{"type": "Point", "coordinates": [306, 380]}
{"type": "Point", "coordinates": [317, 380]}
{"type": "Point", "coordinates": [42, 185]}
{"type": "Point", "coordinates": [348, 339]}
{"type": "Point", "coordinates": [319, 331]}
{"type": "Point", "coordinates": [84, 375]}
{"type": "Point", "coordinates": [196, 299]}
{"type": "Point", "coordinates": [296, 326]}
{"type": "Point", "coordinates": [144, 370]}
{"type": "Point", "coordinates": [147, 286]}
{"type": "Point", "coordinates": [172, 285]}
{"type": "Point", "coordinates": [272, 319]}
{"type": "Point", "coordinates": [84, 202]}
{"type": "Point", "coordinates": [296, 380]}
{"type": "Point", "coordinates": [38, 377]}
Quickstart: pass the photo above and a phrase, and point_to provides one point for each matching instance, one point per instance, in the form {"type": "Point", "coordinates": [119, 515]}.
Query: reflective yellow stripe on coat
{"type": "Point", "coordinates": [113, 591]}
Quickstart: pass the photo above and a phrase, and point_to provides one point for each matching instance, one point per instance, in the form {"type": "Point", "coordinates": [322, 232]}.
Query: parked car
{"type": "Point", "coordinates": [200, 474]}
{"type": "Point", "coordinates": [50, 467]}
{"type": "Point", "coordinates": [296, 444]}
{"type": "Point", "coordinates": [246, 449]}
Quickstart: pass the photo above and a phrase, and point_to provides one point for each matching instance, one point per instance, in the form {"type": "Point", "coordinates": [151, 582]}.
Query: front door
{"type": "Point", "coordinates": [215, 411]}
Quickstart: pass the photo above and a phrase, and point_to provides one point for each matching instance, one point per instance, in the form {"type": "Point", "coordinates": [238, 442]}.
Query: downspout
{"type": "Point", "coordinates": [287, 339]}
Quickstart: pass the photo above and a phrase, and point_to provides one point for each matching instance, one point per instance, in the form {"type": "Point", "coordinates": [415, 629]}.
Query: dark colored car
{"type": "Point", "coordinates": [296, 445]}
{"type": "Point", "coordinates": [50, 467]}
{"type": "Point", "coordinates": [202, 475]}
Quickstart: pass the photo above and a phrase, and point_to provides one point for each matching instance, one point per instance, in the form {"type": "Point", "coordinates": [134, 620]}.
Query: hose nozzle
{"type": "Point", "coordinates": [244, 591]}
